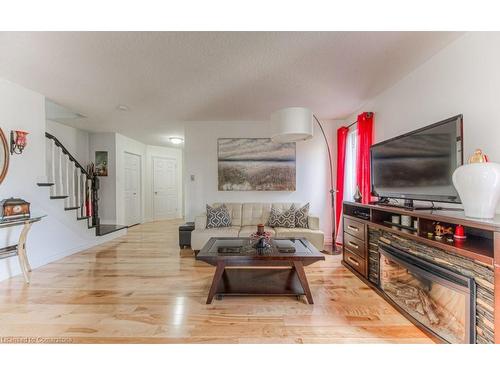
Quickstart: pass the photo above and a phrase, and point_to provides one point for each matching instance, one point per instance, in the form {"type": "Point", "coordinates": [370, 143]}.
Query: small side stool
{"type": "Point", "coordinates": [185, 234]}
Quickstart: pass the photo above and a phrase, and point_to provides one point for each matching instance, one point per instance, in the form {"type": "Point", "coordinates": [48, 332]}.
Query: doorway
{"type": "Point", "coordinates": [132, 189]}
{"type": "Point", "coordinates": [165, 188]}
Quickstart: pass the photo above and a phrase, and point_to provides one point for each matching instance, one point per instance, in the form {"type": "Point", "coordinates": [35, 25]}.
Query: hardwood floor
{"type": "Point", "coordinates": [138, 289]}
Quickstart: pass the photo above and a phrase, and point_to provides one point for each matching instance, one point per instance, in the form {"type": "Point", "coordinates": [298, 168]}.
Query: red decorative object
{"type": "Point", "coordinates": [459, 233]}
{"type": "Point", "coordinates": [17, 141]}
{"type": "Point", "coordinates": [341, 145]}
{"type": "Point", "coordinates": [257, 236]}
{"type": "Point", "coordinates": [365, 140]}
{"type": "Point", "coordinates": [260, 229]}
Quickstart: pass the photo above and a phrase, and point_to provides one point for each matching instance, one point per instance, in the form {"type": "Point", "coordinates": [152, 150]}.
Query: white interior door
{"type": "Point", "coordinates": [165, 188]}
{"type": "Point", "coordinates": [132, 189]}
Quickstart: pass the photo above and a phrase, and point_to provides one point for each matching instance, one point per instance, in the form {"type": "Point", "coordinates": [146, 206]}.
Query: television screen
{"type": "Point", "coordinates": [419, 165]}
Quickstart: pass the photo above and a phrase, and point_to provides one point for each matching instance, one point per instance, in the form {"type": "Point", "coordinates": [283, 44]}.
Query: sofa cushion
{"type": "Point", "coordinates": [199, 237]}
{"type": "Point", "coordinates": [285, 205]}
{"type": "Point", "coordinates": [218, 217]}
{"type": "Point", "coordinates": [282, 218]}
{"type": "Point", "coordinates": [255, 213]}
{"type": "Point", "coordinates": [316, 237]}
{"type": "Point", "coordinates": [234, 210]}
{"type": "Point", "coordinates": [301, 217]}
{"type": "Point", "coordinates": [247, 230]}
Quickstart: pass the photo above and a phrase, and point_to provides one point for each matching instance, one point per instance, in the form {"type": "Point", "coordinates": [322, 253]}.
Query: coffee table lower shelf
{"type": "Point", "coordinates": [260, 281]}
{"type": "Point", "coordinates": [234, 280]}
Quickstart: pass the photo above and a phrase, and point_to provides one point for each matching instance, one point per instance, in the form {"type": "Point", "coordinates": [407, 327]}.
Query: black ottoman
{"type": "Point", "coordinates": [185, 234]}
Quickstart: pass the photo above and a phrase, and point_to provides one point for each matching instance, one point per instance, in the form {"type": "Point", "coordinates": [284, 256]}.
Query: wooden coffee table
{"type": "Point", "coordinates": [248, 271]}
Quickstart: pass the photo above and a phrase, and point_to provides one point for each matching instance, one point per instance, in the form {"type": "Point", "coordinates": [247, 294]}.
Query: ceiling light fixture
{"type": "Point", "coordinates": [176, 140]}
{"type": "Point", "coordinates": [122, 107]}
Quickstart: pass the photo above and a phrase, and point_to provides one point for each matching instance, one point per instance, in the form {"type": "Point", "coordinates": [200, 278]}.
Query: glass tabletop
{"type": "Point", "coordinates": [7, 222]}
{"type": "Point", "coordinates": [246, 246]}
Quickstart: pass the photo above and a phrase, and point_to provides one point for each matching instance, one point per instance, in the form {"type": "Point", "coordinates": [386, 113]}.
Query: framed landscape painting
{"type": "Point", "coordinates": [257, 164]}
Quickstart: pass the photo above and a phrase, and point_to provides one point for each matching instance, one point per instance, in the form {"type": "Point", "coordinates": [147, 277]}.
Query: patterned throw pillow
{"type": "Point", "coordinates": [282, 218]}
{"type": "Point", "coordinates": [301, 217]}
{"type": "Point", "coordinates": [218, 217]}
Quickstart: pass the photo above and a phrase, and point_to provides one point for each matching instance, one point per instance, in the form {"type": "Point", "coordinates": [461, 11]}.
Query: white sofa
{"type": "Point", "coordinates": [245, 217]}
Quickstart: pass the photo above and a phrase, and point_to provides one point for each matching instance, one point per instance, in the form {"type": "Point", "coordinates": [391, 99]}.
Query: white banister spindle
{"type": "Point", "coordinates": [83, 195]}
{"type": "Point", "coordinates": [59, 189]}
{"type": "Point", "coordinates": [48, 161]}
{"type": "Point", "coordinates": [78, 189]}
{"type": "Point", "coordinates": [89, 193]}
{"type": "Point", "coordinates": [66, 175]}
{"type": "Point", "coordinates": [50, 164]}
{"type": "Point", "coordinates": [71, 180]}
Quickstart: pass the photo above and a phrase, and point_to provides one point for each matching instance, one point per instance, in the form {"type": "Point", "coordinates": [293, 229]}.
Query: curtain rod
{"type": "Point", "coordinates": [368, 115]}
{"type": "Point", "coordinates": [354, 123]}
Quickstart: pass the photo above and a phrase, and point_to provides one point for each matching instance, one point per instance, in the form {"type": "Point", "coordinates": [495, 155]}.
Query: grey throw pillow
{"type": "Point", "coordinates": [282, 218]}
{"type": "Point", "coordinates": [301, 217]}
{"type": "Point", "coordinates": [218, 217]}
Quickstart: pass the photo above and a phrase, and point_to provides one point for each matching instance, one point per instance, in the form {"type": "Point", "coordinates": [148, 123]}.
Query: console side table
{"type": "Point", "coordinates": [20, 248]}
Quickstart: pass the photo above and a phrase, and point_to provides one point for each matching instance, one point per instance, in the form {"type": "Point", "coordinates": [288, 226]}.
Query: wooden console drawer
{"type": "Point", "coordinates": [355, 245]}
{"type": "Point", "coordinates": [355, 261]}
{"type": "Point", "coordinates": [354, 228]}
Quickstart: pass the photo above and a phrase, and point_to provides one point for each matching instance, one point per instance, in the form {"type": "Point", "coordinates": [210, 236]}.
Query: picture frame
{"type": "Point", "coordinates": [101, 163]}
{"type": "Point", "coordinates": [4, 156]}
{"type": "Point", "coordinates": [255, 164]}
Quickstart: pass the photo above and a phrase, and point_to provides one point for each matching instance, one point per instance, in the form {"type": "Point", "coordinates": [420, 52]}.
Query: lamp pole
{"type": "Point", "coordinates": [332, 189]}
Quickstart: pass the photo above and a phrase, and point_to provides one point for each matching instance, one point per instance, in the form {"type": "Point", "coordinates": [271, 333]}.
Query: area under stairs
{"type": "Point", "coordinates": [70, 182]}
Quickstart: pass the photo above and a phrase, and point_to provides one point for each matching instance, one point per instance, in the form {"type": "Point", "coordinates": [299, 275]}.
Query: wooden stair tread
{"type": "Point", "coordinates": [42, 184]}
{"type": "Point", "coordinates": [58, 196]}
{"type": "Point", "coordinates": [71, 208]}
{"type": "Point", "coordinates": [83, 217]}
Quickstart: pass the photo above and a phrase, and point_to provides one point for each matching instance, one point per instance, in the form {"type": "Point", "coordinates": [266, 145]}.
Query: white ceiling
{"type": "Point", "coordinates": [168, 78]}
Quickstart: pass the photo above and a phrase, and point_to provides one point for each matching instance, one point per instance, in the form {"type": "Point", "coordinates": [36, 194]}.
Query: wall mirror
{"type": "Point", "coordinates": [4, 156]}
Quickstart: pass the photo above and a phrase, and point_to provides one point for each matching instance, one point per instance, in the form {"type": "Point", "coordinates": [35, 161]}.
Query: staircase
{"type": "Point", "coordinates": [71, 182]}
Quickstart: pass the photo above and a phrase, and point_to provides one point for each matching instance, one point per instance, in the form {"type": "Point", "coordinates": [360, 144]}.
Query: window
{"type": "Point", "coordinates": [350, 164]}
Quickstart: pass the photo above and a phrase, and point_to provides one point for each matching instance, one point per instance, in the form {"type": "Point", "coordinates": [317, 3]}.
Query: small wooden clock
{"type": "Point", "coordinates": [14, 208]}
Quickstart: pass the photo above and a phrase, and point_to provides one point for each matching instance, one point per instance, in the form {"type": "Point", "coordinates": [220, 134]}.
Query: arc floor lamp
{"type": "Point", "coordinates": [295, 124]}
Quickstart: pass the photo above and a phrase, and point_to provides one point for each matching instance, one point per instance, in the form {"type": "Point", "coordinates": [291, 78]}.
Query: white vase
{"type": "Point", "coordinates": [478, 185]}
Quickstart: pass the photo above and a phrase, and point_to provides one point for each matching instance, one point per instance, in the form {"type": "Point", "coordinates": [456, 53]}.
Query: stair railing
{"type": "Point", "coordinates": [71, 180]}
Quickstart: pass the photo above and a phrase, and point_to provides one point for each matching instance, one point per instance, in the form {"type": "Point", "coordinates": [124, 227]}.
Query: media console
{"type": "Point", "coordinates": [449, 288]}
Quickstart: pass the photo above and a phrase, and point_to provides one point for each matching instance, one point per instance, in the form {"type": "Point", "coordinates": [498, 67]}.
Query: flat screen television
{"type": "Point", "coordinates": [419, 165]}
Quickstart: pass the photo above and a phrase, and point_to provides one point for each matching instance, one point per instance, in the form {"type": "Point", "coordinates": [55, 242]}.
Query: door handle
{"type": "Point", "coordinates": [353, 228]}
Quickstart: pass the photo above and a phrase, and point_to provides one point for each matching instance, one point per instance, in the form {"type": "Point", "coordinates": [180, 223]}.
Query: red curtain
{"type": "Point", "coordinates": [341, 144]}
{"type": "Point", "coordinates": [365, 140]}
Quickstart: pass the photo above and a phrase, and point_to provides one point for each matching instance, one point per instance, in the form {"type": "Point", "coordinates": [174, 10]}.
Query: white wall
{"type": "Point", "coordinates": [462, 78]}
{"type": "Point", "coordinates": [163, 152]}
{"type": "Point", "coordinates": [76, 141]}
{"type": "Point", "coordinates": [112, 192]}
{"type": "Point", "coordinates": [201, 161]}
{"type": "Point", "coordinates": [59, 234]}
{"type": "Point", "coordinates": [107, 191]}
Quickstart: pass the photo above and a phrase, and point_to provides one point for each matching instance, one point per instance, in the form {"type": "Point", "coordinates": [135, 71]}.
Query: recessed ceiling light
{"type": "Point", "coordinates": [122, 107]}
{"type": "Point", "coordinates": [176, 140]}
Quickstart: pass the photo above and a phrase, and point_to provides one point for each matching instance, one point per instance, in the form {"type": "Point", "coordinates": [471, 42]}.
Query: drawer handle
{"type": "Point", "coordinates": [356, 229]}
{"type": "Point", "coordinates": [353, 261]}
{"type": "Point", "coordinates": [353, 245]}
